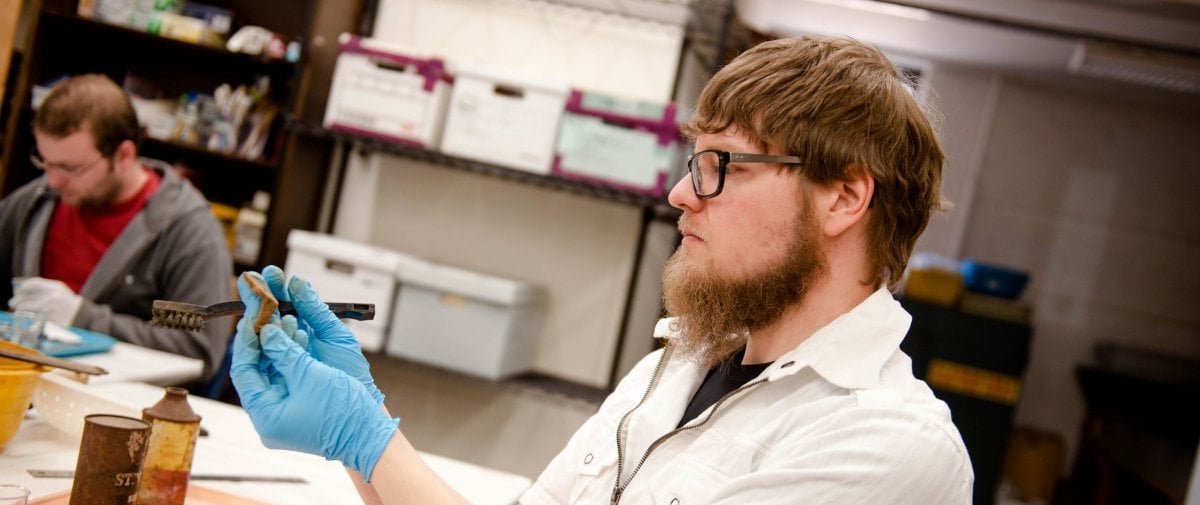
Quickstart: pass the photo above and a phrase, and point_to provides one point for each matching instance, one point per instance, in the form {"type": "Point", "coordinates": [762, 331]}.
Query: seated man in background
{"type": "Point", "coordinates": [97, 238]}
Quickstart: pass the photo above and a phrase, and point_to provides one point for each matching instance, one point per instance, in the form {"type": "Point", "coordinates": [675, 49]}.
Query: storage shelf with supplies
{"type": "Point", "coordinates": [658, 205]}
{"type": "Point", "coordinates": [89, 28]}
{"type": "Point", "coordinates": [152, 144]}
{"type": "Point", "coordinates": [164, 72]}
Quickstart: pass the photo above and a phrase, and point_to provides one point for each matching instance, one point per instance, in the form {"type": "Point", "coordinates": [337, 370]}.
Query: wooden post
{"type": "Point", "coordinates": [10, 13]}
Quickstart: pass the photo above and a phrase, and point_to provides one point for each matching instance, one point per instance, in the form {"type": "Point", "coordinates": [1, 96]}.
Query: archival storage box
{"type": "Point", "coordinates": [465, 321]}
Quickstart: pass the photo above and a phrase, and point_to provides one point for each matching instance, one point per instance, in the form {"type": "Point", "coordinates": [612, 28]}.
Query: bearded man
{"type": "Point", "coordinates": [813, 173]}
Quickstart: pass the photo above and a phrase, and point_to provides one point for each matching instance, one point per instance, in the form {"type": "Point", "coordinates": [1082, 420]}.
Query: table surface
{"type": "Point", "coordinates": [132, 363]}
{"type": "Point", "coordinates": [233, 447]}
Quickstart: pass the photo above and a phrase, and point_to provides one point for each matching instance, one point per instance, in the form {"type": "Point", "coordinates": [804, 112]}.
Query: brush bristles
{"type": "Point", "coordinates": [176, 320]}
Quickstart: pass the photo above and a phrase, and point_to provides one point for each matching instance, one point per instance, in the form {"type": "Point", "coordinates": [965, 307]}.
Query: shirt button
{"type": "Point", "coordinates": [587, 460]}
{"type": "Point", "coordinates": [128, 280]}
{"type": "Point", "coordinates": [788, 364]}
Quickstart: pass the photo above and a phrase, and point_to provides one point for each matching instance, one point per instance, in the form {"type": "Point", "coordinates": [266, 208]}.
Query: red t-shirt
{"type": "Point", "coordinates": [78, 238]}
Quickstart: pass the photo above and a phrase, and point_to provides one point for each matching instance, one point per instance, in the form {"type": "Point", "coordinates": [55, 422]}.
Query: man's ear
{"type": "Point", "coordinates": [125, 154]}
{"type": "Point", "coordinates": [848, 201]}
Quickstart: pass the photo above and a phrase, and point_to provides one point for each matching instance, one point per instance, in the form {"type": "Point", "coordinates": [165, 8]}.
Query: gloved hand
{"type": "Point", "coordinates": [53, 299]}
{"type": "Point", "coordinates": [302, 404]}
{"type": "Point", "coordinates": [328, 339]}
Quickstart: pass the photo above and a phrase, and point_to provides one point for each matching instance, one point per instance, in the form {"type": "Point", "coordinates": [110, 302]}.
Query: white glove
{"type": "Point", "coordinates": [52, 299]}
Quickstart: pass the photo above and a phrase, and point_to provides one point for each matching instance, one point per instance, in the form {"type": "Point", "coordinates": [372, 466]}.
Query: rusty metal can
{"type": "Point", "coordinates": [110, 460]}
{"type": "Point", "coordinates": [174, 427]}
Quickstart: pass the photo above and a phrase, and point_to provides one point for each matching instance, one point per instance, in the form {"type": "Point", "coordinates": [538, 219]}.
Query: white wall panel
{"type": "Point", "coordinates": [580, 250]}
{"type": "Point", "coordinates": [592, 50]}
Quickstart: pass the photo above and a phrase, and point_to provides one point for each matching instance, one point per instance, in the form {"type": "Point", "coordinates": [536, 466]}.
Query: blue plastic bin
{"type": "Point", "coordinates": [993, 280]}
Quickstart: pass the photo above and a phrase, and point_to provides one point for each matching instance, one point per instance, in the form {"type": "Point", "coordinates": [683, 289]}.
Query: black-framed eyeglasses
{"type": "Point", "coordinates": [708, 168]}
{"type": "Point", "coordinates": [36, 158]}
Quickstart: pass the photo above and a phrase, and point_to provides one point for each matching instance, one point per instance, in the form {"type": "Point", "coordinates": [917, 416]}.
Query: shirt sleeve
{"type": "Point", "coordinates": [195, 269]}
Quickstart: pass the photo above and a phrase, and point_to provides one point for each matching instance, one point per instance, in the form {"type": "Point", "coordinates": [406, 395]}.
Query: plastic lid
{"type": "Point", "coordinates": [512, 77]}
{"type": "Point", "coordinates": [471, 284]}
{"type": "Point", "coordinates": [355, 253]}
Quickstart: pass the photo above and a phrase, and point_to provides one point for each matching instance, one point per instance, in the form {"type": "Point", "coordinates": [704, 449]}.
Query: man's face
{"type": "Point", "coordinates": [93, 184]}
{"type": "Point", "coordinates": [747, 255]}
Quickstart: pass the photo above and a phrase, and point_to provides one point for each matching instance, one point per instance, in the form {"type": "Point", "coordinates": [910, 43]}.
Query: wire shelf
{"type": "Point", "coordinates": [658, 205]}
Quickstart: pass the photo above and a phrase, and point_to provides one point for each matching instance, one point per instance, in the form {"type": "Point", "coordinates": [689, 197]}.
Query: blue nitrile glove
{"type": "Point", "coordinates": [329, 340]}
{"type": "Point", "coordinates": [309, 406]}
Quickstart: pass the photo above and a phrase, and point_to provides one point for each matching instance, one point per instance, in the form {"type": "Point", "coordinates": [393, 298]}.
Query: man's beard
{"type": "Point", "coordinates": [717, 313]}
{"type": "Point", "coordinates": [104, 194]}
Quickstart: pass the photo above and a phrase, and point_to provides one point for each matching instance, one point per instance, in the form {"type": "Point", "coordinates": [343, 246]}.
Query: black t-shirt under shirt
{"type": "Point", "coordinates": [728, 376]}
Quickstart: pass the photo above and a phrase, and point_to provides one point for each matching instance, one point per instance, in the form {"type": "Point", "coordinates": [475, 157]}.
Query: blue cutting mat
{"type": "Point", "coordinates": [90, 342]}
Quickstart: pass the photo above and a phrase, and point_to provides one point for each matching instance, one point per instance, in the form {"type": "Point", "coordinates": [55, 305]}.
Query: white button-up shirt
{"type": "Point", "coordinates": [840, 420]}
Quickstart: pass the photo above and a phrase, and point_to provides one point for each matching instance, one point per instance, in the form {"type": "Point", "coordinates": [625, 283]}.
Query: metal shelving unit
{"type": "Point", "coordinates": [710, 33]}
{"type": "Point", "coordinates": [546, 181]}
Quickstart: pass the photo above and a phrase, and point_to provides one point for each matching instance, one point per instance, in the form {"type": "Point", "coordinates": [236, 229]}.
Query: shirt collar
{"type": "Point", "coordinates": [848, 352]}
{"type": "Point", "coordinates": [851, 350]}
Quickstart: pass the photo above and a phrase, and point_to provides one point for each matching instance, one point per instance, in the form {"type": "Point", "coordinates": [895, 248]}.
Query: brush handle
{"type": "Point", "coordinates": [343, 310]}
{"type": "Point", "coordinates": [355, 311]}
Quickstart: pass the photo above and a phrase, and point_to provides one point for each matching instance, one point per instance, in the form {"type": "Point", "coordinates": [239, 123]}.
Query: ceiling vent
{"type": "Point", "coordinates": [959, 39]}
{"type": "Point", "coordinates": [1137, 66]}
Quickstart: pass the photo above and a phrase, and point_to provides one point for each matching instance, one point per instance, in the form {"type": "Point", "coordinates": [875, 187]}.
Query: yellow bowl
{"type": "Point", "coordinates": [18, 379]}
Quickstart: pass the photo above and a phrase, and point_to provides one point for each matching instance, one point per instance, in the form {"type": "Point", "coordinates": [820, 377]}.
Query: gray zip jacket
{"type": "Point", "coordinates": [173, 249]}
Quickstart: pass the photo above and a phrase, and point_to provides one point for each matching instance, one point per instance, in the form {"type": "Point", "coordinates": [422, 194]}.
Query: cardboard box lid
{"type": "Point", "coordinates": [655, 118]}
{"type": "Point", "coordinates": [432, 68]}
{"type": "Point", "coordinates": [511, 77]}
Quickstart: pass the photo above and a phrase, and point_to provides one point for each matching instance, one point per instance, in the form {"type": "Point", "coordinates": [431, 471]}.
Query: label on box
{"type": "Point", "coordinates": [453, 301]}
{"type": "Point", "coordinates": [973, 381]}
{"type": "Point", "coordinates": [631, 108]}
{"type": "Point", "coordinates": [590, 146]}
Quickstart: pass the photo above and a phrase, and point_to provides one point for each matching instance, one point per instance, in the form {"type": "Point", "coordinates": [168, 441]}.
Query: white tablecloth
{"type": "Point", "coordinates": [131, 363]}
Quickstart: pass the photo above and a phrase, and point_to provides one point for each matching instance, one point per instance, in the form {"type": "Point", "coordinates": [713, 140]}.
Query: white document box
{"type": "Point", "coordinates": [345, 271]}
{"type": "Point", "coordinates": [382, 93]}
{"type": "Point", "coordinates": [465, 321]}
{"type": "Point", "coordinates": [627, 144]}
{"type": "Point", "coordinates": [498, 116]}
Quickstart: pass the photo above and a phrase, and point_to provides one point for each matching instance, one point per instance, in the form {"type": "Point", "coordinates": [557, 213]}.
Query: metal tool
{"type": "Point", "coordinates": [51, 361]}
{"type": "Point", "coordinates": [189, 316]}
{"type": "Point", "coordinates": [68, 474]}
